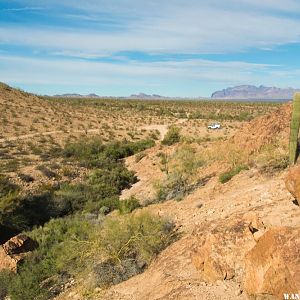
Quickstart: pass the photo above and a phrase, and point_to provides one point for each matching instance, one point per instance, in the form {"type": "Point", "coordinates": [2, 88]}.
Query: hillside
{"type": "Point", "coordinates": [251, 92]}
{"type": "Point", "coordinates": [132, 200]}
{"type": "Point", "coordinates": [211, 219]}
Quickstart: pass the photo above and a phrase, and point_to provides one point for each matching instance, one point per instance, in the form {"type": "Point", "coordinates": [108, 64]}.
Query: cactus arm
{"type": "Point", "coordinates": [294, 130]}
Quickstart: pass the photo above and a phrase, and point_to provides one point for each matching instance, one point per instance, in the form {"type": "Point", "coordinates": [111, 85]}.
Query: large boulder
{"type": "Point", "coordinates": [14, 251]}
{"type": "Point", "coordinates": [273, 265]}
{"type": "Point", "coordinates": [221, 253]}
{"type": "Point", "coordinates": [292, 182]}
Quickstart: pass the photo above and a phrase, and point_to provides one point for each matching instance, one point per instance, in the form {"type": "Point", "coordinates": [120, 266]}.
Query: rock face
{"type": "Point", "coordinates": [222, 253]}
{"type": "Point", "coordinates": [14, 250]}
{"type": "Point", "coordinates": [264, 130]}
{"type": "Point", "coordinates": [292, 182]}
{"type": "Point", "coordinates": [273, 265]}
{"type": "Point", "coordinates": [266, 263]}
{"type": "Point", "coordinates": [253, 92]}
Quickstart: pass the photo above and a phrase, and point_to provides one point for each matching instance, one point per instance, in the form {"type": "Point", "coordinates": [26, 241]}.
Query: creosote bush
{"type": "Point", "coordinates": [129, 243]}
{"type": "Point", "coordinates": [226, 176]}
{"type": "Point", "coordinates": [172, 137]}
{"type": "Point", "coordinates": [128, 205]}
{"type": "Point", "coordinates": [180, 169]}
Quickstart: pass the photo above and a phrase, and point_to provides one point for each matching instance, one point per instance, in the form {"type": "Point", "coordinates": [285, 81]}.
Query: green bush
{"type": "Point", "coordinates": [104, 183]}
{"type": "Point", "coordinates": [172, 137]}
{"type": "Point", "coordinates": [18, 213]}
{"type": "Point", "coordinates": [68, 245]}
{"type": "Point", "coordinates": [180, 169]}
{"type": "Point", "coordinates": [129, 243]}
{"type": "Point", "coordinates": [56, 255]}
{"type": "Point", "coordinates": [93, 153]}
{"type": "Point", "coordinates": [85, 148]}
{"type": "Point", "coordinates": [226, 176]}
{"type": "Point", "coordinates": [5, 279]}
{"type": "Point", "coordinates": [6, 187]}
{"type": "Point", "coordinates": [128, 205]}
{"type": "Point", "coordinates": [47, 172]}
{"type": "Point", "coordinates": [100, 188]}
{"type": "Point", "coordinates": [71, 246]}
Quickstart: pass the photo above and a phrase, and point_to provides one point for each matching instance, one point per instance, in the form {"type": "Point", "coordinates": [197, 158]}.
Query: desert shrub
{"type": "Point", "coordinates": [72, 245]}
{"type": "Point", "coordinates": [172, 137]}
{"type": "Point", "coordinates": [47, 172]}
{"type": "Point", "coordinates": [128, 205]}
{"type": "Point", "coordinates": [56, 254]}
{"type": "Point", "coordinates": [101, 188]}
{"type": "Point", "coordinates": [111, 182]}
{"type": "Point", "coordinates": [278, 163]}
{"type": "Point", "coordinates": [23, 212]}
{"type": "Point", "coordinates": [180, 169]}
{"type": "Point", "coordinates": [93, 153]}
{"type": "Point", "coordinates": [5, 279]}
{"type": "Point", "coordinates": [6, 186]}
{"type": "Point", "coordinates": [104, 184]}
{"type": "Point", "coordinates": [84, 148]}
{"type": "Point", "coordinates": [11, 165]}
{"type": "Point", "coordinates": [272, 157]}
{"type": "Point", "coordinates": [129, 243]}
{"type": "Point", "coordinates": [25, 177]}
{"type": "Point", "coordinates": [164, 162]}
{"type": "Point", "coordinates": [68, 172]}
{"type": "Point", "coordinates": [226, 176]}
{"type": "Point", "coordinates": [109, 273]}
{"type": "Point", "coordinates": [140, 156]}
{"type": "Point", "coordinates": [154, 135]}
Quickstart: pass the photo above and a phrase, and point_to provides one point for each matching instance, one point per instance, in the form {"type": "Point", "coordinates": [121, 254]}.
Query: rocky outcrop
{"type": "Point", "coordinates": [292, 182]}
{"type": "Point", "coordinates": [14, 251]}
{"type": "Point", "coordinates": [265, 263]}
{"type": "Point", "coordinates": [264, 130]}
{"type": "Point", "coordinates": [221, 255]}
{"type": "Point", "coordinates": [273, 265]}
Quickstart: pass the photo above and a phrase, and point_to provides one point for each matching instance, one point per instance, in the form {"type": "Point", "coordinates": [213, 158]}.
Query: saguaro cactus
{"type": "Point", "coordinates": [295, 124]}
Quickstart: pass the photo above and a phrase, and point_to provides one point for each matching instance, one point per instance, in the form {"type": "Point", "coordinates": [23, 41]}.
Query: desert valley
{"type": "Point", "coordinates": [133, 199]}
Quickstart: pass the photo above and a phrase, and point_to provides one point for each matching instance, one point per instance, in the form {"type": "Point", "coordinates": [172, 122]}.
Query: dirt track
{"type": "Point", "coordinates": [29, 136]}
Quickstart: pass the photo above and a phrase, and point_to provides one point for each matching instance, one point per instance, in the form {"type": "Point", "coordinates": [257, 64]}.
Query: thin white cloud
{"type": "Point", "coordinates": [28, 70]}
{"type": "Point", "coordinates": [175, 29]}
{"type": "Point", "coordinates": [27, 8]}
{"type": "Point", "coordinates": [279, 5]}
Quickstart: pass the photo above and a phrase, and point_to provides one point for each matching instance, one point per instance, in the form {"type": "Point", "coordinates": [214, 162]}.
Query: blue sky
{"type": "Point", "coordinates": [174, 48]}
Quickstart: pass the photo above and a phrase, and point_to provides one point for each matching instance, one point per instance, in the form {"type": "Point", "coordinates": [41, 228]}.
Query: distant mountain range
{"type": "Point", "coordinates": [146, 96]}
{"type": "Point", "coordinates": [140, 96]}
{"type": "Point", "coordinates": [252, 92]}
{"type": "Point", "coordinates": [73, 95]}
{"type": "Point", "coordinates": [241, 92]}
